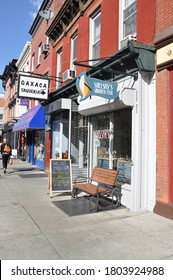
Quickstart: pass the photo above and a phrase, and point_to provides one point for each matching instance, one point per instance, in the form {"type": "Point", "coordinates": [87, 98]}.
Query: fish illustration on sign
{"type": "Point", "coordinates": [83, 87]}
{"type": "Point", "coordinates": [87, 86]}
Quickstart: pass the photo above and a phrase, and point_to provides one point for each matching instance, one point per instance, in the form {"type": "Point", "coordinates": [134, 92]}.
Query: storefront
{"type": "Point", "coordinates": [68, 134]}
{"type": "Point", "coordinates": [30, 131]}
{"type": "Point", "coordinates": [122, 136]}
{"type": "Point", "coordinates": [121, 131]}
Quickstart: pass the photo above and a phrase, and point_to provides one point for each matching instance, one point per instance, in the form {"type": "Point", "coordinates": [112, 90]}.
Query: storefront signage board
{"type": "Point", "coordinates": [33, 87]}
{"type": "Point", "coordinates": [90, 86]}
{"type": "Point", "coordinates": [60, 175]}
{"type": "Point", "coordinates": [165, 54]}
{"type": "Point", "coordinates": [24, 102]}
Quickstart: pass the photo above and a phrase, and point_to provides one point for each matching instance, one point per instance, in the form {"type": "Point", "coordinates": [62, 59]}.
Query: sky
{"type": "Point", "coordinates": [16, 18]}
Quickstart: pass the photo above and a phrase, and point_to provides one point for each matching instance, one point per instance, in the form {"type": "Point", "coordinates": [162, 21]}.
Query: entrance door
{"type": "Point", "coordinates": [60, 137]}
{"type": "Point", "coordinates": [102, 140]}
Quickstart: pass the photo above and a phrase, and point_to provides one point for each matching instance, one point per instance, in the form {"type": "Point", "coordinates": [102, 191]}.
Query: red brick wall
{"type": "Point", "coordinates": [164, 19]}
{"type": "Point", "coordinates": [109, 34]}
{"type": "Point", "coordinates": [38, 38]}
{"type": "Point", "coordinates": [109, 27]}
{"type": "Point", "coordinates": [162, 120]}
{"type": "Point", "coordinates": [145, 21]}
{"type": "Point", "coordinates": [164, 14]}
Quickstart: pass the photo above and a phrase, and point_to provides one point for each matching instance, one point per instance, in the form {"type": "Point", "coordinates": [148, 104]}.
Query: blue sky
{"type": "Point", "coordinates": [16, 18]}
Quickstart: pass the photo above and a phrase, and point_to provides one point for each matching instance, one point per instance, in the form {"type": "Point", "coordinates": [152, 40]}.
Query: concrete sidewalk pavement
{"type": "Point", "coordinates": [33, 228]}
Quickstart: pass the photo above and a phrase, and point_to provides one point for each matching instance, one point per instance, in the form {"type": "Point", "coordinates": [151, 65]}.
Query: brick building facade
{"type": "Point", "coordinates": [164, 88]}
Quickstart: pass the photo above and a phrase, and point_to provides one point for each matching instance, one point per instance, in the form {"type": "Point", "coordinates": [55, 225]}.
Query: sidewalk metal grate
{"type": "Point", "coordinates": [32, 175]}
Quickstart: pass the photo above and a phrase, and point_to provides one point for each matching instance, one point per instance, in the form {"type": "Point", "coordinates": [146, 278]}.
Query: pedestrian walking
{"type": "Point", "coordinates": [6, 153]}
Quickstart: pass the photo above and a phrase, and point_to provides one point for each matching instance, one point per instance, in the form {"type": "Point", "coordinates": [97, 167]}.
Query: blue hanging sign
{"type": "Point", "coordinates": [90, 86]}
{"type": "Point", "coordinates": [24, 102]}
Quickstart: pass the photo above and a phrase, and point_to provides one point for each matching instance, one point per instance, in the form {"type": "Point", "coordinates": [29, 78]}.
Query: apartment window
{"type": "Point", "coordinates": [95, 29]}
{"type": "Point", "coordinates": [129, 17]}
{"type": "Point", "coordinates": [39, 54]}
{"type": "Point", "coordinates": [59, 68]}
{"type": "Point", "coordinates": [32, 63]}
{"type": "Point", "coordinates": [73, 52]}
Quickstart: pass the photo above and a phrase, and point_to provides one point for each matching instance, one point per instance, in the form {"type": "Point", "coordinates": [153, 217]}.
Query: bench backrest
{"type": "Point", "coordinates": [104, 176]}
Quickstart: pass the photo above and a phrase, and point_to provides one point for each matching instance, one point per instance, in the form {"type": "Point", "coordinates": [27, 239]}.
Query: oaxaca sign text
{"type": "Point", "coordinates": [33, 87]}
{"type": "Point", "coordinates": [90, 86]}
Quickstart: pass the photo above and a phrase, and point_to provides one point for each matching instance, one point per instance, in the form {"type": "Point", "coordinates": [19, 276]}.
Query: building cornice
{"type": "Point", "coordinates": [66, 17]}
{"type": "Point", "coordinates": [38, 19]}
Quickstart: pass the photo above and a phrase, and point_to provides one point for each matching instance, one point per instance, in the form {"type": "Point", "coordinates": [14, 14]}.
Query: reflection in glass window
{"type": "Point", "coordinates": [39, 145]}
{"type": "Point", "coordinates": [73, 51]}
{"type": "Point", "coordinates": [59, 68]}
{"type": "Point", "coordinates": [129, 18]}
{"type": "Point", "coordinates": [122, 133]}
{"type": "Point", "coordinates": [95, 29]}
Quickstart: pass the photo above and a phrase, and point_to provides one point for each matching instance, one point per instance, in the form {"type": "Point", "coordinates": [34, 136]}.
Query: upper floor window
{"type": "Point", "coordinates": [32, 63]}
{"type": "Point", "coordinates": [95, 29]}
{"type": "Point", "coordinates": [39, 54]}
{"type": "Point", "coordinates": [129, 17]}
{"type": "Point", "coordinates": [59, 68]}
{"type": "Point", "coordinates": [73, 57]}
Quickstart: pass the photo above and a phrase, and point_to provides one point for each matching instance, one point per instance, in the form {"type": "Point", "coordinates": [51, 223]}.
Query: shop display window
{"type": "Point", "coordinates": [122, 133]}
{"type": "Point", "coordinates": [39, 144]}
{"type": "Point", "coordinates": [111, 146]}
{"type": "Point", "coordinates": [101, 131]}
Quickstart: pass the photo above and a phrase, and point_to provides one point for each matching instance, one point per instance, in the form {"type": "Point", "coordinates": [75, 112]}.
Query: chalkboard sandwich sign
{"type": "Point", "coordinates": [60, 175]}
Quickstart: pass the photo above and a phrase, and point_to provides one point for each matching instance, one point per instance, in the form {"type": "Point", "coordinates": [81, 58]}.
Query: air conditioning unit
{"type": "Point", "coordinates": [124, 42]}
{"type": "Point", "coordinates": [45, 48]}
{"type": "Point", "coordinates": [68, 75]}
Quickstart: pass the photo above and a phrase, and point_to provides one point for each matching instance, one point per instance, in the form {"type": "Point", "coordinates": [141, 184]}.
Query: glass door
{"type": "Point", "coordinates": [101, 141]}
{"type": "Point", "coordinates": [60, 135]}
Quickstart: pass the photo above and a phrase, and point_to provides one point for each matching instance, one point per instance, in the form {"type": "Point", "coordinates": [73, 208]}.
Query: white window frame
{"type": "Point", "coordinates": [124, 4]}
{"type": "Point", "coordinates": [32, 63]}
{"type": "Point", "coordinates": [94, 41]}
{"type": "Point", "coordinates": [59, 68]}
{"type": "Point", "coordinates": [39, 55]}
{"type": "Point", "coordinates": [73, 54]}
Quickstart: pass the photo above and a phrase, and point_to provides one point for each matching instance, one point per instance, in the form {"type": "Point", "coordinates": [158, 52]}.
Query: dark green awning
{"type": "Point", "coordinates": [135, 57]}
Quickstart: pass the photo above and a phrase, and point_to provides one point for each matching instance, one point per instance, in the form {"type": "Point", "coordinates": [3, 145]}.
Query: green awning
{"type": "Point", "coordinates": [135, 57]}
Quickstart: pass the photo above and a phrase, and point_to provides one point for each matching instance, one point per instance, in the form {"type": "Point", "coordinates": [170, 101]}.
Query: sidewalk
{"type": "Point", "coordinates": [33, 228]}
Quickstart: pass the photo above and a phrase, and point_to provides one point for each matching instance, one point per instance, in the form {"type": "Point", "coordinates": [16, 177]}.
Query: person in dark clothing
{"type": "Point", "coordinates": [6, 153]}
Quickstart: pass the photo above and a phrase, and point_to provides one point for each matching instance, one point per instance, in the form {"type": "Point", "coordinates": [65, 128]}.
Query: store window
{"type": "Point", "coordinates": [39, 144]}
{"type": "Point", "coordinates": [122, 134]}
{"type": "Point", "coordinates": [101, 132]}
{"type": "Point", "coordinates": [111, 142]}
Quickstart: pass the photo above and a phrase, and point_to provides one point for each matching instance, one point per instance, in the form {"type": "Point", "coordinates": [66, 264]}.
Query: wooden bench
{"type": "Point", "coordinates": [102, 182]}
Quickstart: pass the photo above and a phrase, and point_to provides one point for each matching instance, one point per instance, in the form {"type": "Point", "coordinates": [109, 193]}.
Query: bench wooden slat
{"type": "Point", "coordinates": [104, 176]}
{"type": "Point", "coordinates": [90, 188]}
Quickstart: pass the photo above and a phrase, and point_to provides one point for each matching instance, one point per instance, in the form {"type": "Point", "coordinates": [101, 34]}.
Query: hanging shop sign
{"type": "Point", "coordinates": [33, 87]}
{"type": "Point", "coordinates": [24, 102]}
{"type": "Point", "coordinates": [90, 86]}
